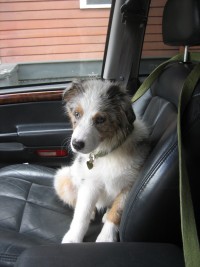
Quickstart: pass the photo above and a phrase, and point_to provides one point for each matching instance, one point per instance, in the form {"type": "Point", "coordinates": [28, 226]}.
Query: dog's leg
{"type": "Point", "coordinates": [85, 205]}
{"type": "Point", "coordinates": [105, 215]}
{"type": "Point", "coordinates": [64, 187]}
{"type": "Point", "coordinates": [112, 218]}
{"type": "Point", "coordinates": [93, 215]}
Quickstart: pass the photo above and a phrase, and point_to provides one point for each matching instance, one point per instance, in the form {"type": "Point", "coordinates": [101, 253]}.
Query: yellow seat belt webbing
{"type": "Point", "coordinates": [152, 77]}
{"type": "Point", "coordinates": [188, 225]}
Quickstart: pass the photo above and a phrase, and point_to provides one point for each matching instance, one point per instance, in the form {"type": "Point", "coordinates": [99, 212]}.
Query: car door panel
{"type": "Point", "coordinates": [32, 122]}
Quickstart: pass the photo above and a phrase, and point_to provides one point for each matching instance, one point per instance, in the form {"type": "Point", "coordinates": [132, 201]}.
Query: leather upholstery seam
{"type": "Point", "coordinates": [24, 207]}
{"type": "Point", "coordinates": [30, 202]}
{"type": "Point", "coordinates": [196, 95]}
{"type": "Point", "coordinates": [36, 204]}
{"type": "Point", "coordinates": [4, 257]}
{"type": "Point", "coordinates": [24, 180]}
{"type": "Point", "coordinates": [146, 180]}
{"type": "Point", "coordinates": [156, 167]}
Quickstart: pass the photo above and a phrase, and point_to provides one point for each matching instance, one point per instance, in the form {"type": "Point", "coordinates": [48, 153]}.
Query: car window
{"type": "Point", "coordinates": [153, 42]}
{"type": "Point", "coordinates": [45, 40]}
{"type": "Point", "coordinates": [48, 41]}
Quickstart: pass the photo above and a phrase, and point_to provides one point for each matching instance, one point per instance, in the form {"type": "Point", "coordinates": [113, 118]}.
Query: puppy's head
{"type": "Point", "coordinates": [101, 114]}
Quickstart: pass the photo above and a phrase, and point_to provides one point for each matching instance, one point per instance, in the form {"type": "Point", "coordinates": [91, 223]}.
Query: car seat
{"type": "Point", "coordinates": [33, 220]}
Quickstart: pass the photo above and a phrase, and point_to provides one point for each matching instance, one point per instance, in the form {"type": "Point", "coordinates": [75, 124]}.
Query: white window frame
{"type": "Point", "coordinates": [83, 4]}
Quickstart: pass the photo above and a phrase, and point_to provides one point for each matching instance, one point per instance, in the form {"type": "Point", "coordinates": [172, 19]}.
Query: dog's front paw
{"type": "Point", "coordinates": [70, 238]}
{"type": "Point", "coordinates": [106, 238]}
{"type": "Point", "coordinates": [108, 233]}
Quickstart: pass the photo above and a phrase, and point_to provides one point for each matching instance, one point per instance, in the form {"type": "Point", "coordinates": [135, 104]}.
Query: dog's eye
{"type": "Point", "coordinates": [77, 115]}
{"type": "Point", "coordinates": [100, 120]}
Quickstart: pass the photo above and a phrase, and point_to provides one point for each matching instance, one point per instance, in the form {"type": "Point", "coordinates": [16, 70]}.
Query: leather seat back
{"type": "Point", "coordinates": [152, 210]}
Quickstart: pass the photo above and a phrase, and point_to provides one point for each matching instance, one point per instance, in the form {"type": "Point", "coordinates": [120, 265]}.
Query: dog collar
{"type": "Point", "coordinates": [92, 156]}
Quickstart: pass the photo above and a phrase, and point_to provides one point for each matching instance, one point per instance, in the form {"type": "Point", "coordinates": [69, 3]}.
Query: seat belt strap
{"type": "Point", "coordinates": [188, 225]}
{"type": "Point", "coordinates": [152, 77]}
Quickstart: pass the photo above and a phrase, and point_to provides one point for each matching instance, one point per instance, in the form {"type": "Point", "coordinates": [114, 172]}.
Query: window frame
{"type": "Point", "coordinates": [85, 5]}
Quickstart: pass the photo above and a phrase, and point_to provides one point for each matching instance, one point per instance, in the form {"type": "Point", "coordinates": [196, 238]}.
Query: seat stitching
{"type": "Point", "coordinates": [22, 199]}
{"type": "Point", "coordinates": [24, 207]}
{"type": "Point", "coordinates": [20, 179]}
{"type": "Point", "coordinates": [30, 202]}
{"type": "Point", "coordinates": [7, 182]}
{"type": "Point", "coordinates": [44, 238]}
{"type": "Point", "coordinates": [195, 95]}
{"type": "Point", "coordinates": [148, 178]}
{"type": "Point", "coordinates": [11, 245]}
{"type": "Point", "coordinates": [1, 220]}
{"type": "Point", "coordinates": [8, 257]}
{"type": "Point", "coordinates": [36, 204]}
{"type": "Point", "coordinates": [156, 167]}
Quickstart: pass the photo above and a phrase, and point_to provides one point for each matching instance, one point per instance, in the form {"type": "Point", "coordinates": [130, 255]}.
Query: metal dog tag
{"type": "Point", "coordinates": [90, 162]}
{"type": "Point", "coordinates": [89, 165]}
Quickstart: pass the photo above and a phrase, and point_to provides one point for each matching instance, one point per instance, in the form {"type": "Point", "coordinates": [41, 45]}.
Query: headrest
{"type": "Point", "coordinates": [181, 22]}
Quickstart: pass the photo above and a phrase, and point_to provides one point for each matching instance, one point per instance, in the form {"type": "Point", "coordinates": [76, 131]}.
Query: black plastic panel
{"type": "Point", "coordinates": [26, 127]}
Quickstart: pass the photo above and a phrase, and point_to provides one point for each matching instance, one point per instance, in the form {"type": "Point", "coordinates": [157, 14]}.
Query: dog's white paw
{"type": "Point", "coordinates": [106, 238]}
{"type": "Point", "coordinates": [70, 238]}
{"type": "Point", "coordinates": [108, 233]}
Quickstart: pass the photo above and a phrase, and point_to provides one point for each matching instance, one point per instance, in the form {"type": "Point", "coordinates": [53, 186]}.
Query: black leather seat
{"type": "Point", "coordinates": [31, 214]}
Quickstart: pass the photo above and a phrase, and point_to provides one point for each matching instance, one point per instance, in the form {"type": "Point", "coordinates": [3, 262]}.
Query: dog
{"type": "Point", "coordinates": [111, 146]}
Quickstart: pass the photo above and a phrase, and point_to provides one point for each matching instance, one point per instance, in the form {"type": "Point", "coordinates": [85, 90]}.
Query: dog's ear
{"type": "Point", "coordinates": [73, 90]}
{"type": "Point", "coordinates": [118, 95]}
{"type": "Point", "coordinates": [130, 114]}
{"type": "Point", "coordinates": [115, 92]}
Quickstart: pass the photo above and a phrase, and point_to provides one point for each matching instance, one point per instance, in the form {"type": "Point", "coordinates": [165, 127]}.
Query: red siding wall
{"type": "Point", "coordinates": [50, 30]}
{"type": "Point", "coordinates": [153, 45]}
{"type": "Point", "coordinates": [43, 30]}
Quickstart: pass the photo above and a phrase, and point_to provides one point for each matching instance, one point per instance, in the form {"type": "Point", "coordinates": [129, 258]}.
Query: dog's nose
{"type": "Point", "coordinates": [78, 145]}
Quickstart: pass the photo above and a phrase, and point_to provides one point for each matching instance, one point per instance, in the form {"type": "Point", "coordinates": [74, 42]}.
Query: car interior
{"type": "Point", "coordinates": [32, 218]}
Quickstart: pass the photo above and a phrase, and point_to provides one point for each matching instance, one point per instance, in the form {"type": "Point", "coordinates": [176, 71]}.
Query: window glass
{"type": "Point", "coordinates": [46, 41]}
{"type": "Point", "coordinates": [95, 3]}
{"type": "Point", "coordinates": [153, 42]}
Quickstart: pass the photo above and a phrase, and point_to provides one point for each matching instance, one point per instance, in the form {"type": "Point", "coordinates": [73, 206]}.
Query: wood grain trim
{"type": "Point", "coordinates": [39, 96]}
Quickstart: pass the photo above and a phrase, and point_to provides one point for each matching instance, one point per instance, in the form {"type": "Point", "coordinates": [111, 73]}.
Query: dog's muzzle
{"type": "Point", "coordinates": [78, 144]}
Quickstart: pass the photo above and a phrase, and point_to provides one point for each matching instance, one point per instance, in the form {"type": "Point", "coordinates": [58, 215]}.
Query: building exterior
{"type": "Point", "coordinates": [53, 30]}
